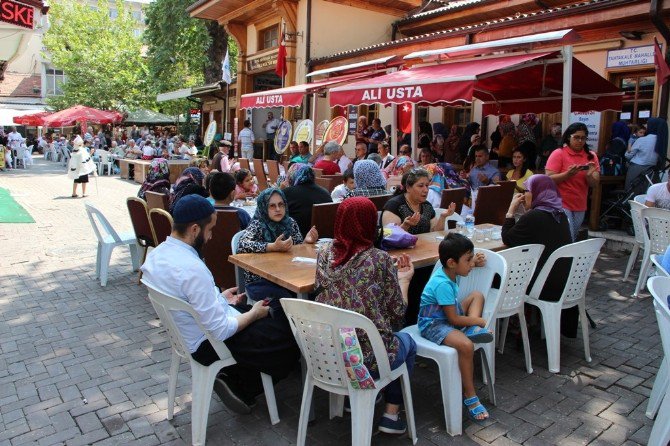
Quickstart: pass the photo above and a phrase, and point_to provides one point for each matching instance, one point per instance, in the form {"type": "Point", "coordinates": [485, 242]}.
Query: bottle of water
{"type": "Point", "coordinates": [470, 225]}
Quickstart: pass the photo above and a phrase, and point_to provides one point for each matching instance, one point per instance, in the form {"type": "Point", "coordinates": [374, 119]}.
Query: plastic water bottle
{"type": "Point", "coordinates": [470, 225]}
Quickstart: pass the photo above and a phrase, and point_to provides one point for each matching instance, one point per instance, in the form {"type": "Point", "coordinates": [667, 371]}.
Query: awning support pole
{"type": "Point", "coordinates": [393, 137]}
{"type": "Point", "coordinates": [415, 131]}
{"type": "Point", "coordinates": [314, 95]}
{"type": "Point", "coordinates": [567, 86]}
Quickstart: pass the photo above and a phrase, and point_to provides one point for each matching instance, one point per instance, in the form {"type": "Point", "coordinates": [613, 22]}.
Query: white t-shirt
{"type": "Point", "coordinates": [246, 138]}
{"type": "Point", "coordinates": [193, 150]}
{"type": "Point", "coordinates": [148, 150]}
{"type": "Point", "coordinates": [659, 195]}
{"type": "Point", "coordinates": [14, 140]}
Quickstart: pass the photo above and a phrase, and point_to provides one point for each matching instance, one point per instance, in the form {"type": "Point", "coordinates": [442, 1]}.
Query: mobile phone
{"type": "Point", "coordinates": [584, 167]}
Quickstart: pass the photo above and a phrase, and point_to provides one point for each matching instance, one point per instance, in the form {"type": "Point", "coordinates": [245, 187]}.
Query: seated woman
{"type": "Point", "coordinates": [158, 178]}
{"type": "Point", "coordinates": [221, 186]}
{"type": "Point", "coordinates": [411, 210]}
{"type": "Point", "coordinates": [356, 276]}
{"type": "Point", "coordinates": [302, 193]}
{"type": "Point", "coordinates": [437, 183]}
{"type": "Point", "coordinates": [246, 187]}
{"type": "Point", "coordinates": [401, 164]}
{"type": "Point", "coordinates": [270, 230]}
{"type": "Point", "coordinates": [426, 157]}
{"type": "Point", "coordinates": [190, 182]}
{"type": "Point", "coordinates": [546, 224]}
{"type": "Point", "coordinates": [368, 179]}
{"type": "Point", "coordinates": [521, 172]}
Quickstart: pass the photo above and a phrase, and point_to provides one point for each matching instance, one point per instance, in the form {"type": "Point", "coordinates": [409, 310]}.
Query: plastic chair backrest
{"type": "Point", "coordinates": [521, 264]}
{"type": "Point", "coordinates": [642, 198]}
{"type": "Point", "coordinates": [584, 255]}
{"type": "Point", "coordinates": [139, 217]}
{"type": "Point", "coordinates": [656, 260]}
{"type": "Point", "coordinates": [93, 213]}
{"type": "Point", "coordinates": [104, 156]}
{"type": "Point", "coordinates": [162, 223]}
{"type": "Point", "coordinates": [259, 170]}
{"type": "Point", "coordinates": [273, 171]}
{"type": "Point", "coordinates": [217, 249]}
{"type": "Point", "coordinates": [323, 217]}
{"type": "Point", "coordinates": [316, 327]}
{"type": "Point", "coordinates": [479, 279]}
{"type": "Point", "coordinates": [156, 200]}
{"type": "Point", "coordinates": [165, 306]}
{"type": "Point", "coordinates": [235, 241]}
{"type": "Point", "coordinates": [456, 195]}
{"type": "Point", "coordinates": [659, 287]}
{"type": "Point", "coordinates": [638, 222]}
{"type": "Point", "coordinates": [656, 241]}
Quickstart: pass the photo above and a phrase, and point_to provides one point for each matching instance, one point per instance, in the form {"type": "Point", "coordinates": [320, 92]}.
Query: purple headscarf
{"type": "Point", "coordinates": [545, 195]}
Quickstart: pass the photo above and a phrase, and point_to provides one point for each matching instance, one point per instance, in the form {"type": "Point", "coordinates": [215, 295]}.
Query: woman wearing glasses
{"type": "Point", "coordinates": [574, 168]}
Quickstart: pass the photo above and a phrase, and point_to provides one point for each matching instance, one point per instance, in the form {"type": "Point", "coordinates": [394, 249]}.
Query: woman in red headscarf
{"type": "Point", "coordinates": [356, 276]}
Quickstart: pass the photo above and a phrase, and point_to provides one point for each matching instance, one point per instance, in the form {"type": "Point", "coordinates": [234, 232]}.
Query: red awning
{"type": "Point", "coordinates": [33, 119]}
{"type": "Point", "coordinates": [292, 96]}
{"type": "Point", "coordinates": [80, 113]}
{"type": "Point", "coordinates": [506, 85]}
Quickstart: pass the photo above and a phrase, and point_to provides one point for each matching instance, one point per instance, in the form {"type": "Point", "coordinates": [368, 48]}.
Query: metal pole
{"type": "Point", "coordinates": [314, 115]}
{"type": "Point", "coordinates": [393, 148]}
{"type": "Point", "coordinates": [415, 130]}
{"type": "Point", "coordinates": [567, 85]}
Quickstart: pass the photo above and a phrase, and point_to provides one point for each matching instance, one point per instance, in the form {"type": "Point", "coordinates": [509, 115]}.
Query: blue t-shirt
{"type": "Point", "coordinates": [439, 291]}
{"type": "Point", "coordinates": [665, 260]}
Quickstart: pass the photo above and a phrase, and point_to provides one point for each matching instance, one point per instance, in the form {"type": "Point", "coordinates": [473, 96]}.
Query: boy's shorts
{"type": "Point", "coordinates": [439, 329]}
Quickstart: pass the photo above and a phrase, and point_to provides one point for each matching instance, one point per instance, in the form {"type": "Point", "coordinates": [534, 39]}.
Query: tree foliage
{"type": "Point", "coordinates": [100, 56]}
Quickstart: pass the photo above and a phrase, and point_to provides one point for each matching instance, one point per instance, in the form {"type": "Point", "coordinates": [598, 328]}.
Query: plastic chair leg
{"type": "Point", "coordinates": [270, 399]}
{"type": "Point", "coordinates": [584, 322]}
{"type": "Point", "coordinates": [486, 367]}
{"type": "Point", "coordinates": [202, 382]}
{"type": "Point", "coordinates": [362, 416]}
{"type": "Point", "coordinates": [644, 272]}
{"type": "Point", "coordinates": [134, 256]}
{"type": "Point", "coordinates": [335, 405]}
{"type": "Point", "coordinates": [305, 406]}
{"type": "Point", "coordinates": [661, 387]}
{"type": "Point", "coordinates": [503, 335]}
{"type": "Point", "coordinates": [452, 394]}
{"type": "Point", "coordinates": [105, 258]}
{"type": "Point", "coordinates": [526, 342]}
{"type": "Point", "coordinates": [552, 330]}
{"type": "Point", "coordinates": [97, 260]}
{"type": "Point", "coordinates": [660, 433]}
{"type": "Point", "coordinates": [489, 353]}
{"type": "Point", "coordinates": [172, 383]}
{"type": "Point", "coordinates": [409, 406]}
{"type": "Point", "coordinates": [631, 260]}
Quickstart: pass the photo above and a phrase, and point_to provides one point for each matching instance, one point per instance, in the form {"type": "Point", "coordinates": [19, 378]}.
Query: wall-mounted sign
{"type": "Point", "coordinates": [257, 63]}
{"type": "Point", "coordinates": [320, 131]}
{"type": "Point", "coordinates": [592, 121]}
{"type": "Point", "coordinates": [352, 117]}
{"type": "Point", "coordinates": [337, 130]}
{"type": "Point", "coordinates": [304, 131]}
{"type": "Point", "coordinates": [283, 136]}
{"type": "Point", "coordinates": [195, 114]}
{"type": "Point", "coordinates": [628, 57]}
{"type": "Point", "coordinates": [17, 14]}
{"type": "Point", "coordinates": [209, 133]}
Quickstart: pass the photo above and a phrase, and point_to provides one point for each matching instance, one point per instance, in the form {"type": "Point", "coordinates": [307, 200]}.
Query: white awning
{"type": "Point", "coordinates": [381, 60]}
{"type": "Point", "coordinates": [170, 95]}
{"type": "Point", "coordinates": [7, 114]}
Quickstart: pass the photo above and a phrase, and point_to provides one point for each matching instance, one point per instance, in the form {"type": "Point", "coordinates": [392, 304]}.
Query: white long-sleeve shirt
{"type": "Point", "coordinates": [175, 268]}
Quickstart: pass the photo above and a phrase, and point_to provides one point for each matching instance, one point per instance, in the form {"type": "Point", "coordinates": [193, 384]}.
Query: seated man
{"type": "Point", "coordinates": [658, 195]}
{"type": "Point", "coordinates": [303, 153]}
{"type": "Point", "coordinates": [483, 173]}
{"type": "Point", "coordinates": [222, 190]}
{"type": "Point", "coordinates": [257, 342]}
{"type": "Point", "coordinates": [328, 163]}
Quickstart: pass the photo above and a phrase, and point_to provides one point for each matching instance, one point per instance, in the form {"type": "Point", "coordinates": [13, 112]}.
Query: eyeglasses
{"type": "Point", "coordinates": [578, 138]}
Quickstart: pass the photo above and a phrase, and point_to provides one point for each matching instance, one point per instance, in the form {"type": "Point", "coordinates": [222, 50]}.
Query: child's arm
{"type": "Point", "coordinates": [461, 321]}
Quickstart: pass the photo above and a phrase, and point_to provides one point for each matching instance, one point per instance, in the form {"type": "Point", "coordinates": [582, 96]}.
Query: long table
{"type": "Point", "coordinates": [142, 168]}
{"type": "Point", "coordinates": [300, 276]}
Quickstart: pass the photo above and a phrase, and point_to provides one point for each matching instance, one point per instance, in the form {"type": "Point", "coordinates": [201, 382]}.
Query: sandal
{"type": "Point", "coordinates": [476, 410]}
{"type": "Point", "coordinates": [74, 196]}
{"type": "Point", "coordinates": [478, 335]}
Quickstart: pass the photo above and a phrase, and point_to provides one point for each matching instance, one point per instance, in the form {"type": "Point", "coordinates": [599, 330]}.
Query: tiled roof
{"type": "Point", "coordinates": [448, 7]}
{"type": "Point", "coordinates": [20, 85]}
{"type": "Point", "coordinates": [519, 17]}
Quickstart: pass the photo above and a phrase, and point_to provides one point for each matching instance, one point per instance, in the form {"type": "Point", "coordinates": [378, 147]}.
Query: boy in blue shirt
{"type": "Point", "coordinates": [445, 320]}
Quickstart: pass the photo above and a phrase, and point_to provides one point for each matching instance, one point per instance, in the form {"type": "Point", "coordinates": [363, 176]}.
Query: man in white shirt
{"type": "Point", "coordinates": [257, 342]}
{"type": "Point", "coordinates": [246, 139]}
{"type": "Point", "coordinates": [191, 150]}
{"type": "Point", "coordinates": [271, 126]}
{"type": "Point", "coordinates": [658, 195]}
{"type": "Point", "coordinates": [14, 140]}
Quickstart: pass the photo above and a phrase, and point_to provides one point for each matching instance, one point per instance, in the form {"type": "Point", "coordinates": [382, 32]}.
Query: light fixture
{"type": "Point", "coordinates": [631, 35]}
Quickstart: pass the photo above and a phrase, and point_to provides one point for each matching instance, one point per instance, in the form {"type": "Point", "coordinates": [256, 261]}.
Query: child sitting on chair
{"type": "Point", "coordinates": [445, 320]}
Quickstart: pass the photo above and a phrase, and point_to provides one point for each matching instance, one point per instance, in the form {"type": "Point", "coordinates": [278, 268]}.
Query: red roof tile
{"type": "Point", "coordinates": [20, 85]}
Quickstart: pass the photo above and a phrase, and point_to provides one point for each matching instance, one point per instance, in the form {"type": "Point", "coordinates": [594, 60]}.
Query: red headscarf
{"type": "Point", "coordinates": [355, 227]}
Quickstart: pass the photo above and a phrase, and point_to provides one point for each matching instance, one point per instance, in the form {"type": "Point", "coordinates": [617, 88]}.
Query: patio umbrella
{"type": "Point", "coordinates": [33, 119]}
{"type": "Point", "coordinates": [83, 115]}
{"type": "Point", "coordinates": [142, 116]}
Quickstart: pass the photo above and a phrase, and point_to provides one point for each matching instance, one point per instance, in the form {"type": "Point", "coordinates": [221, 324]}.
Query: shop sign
{"type": "Point", "coordinates": [352, 117]}
{"type": "Point", "coordinates": [592, 122]}
{"type": "Point", "coordinates": [257, 63]}
{"type": "Point", "coordinates": [17, 14]}
{"type": "Point", "coordinates": [283, 136]}
{"type": "Point", "coordinates": [195, 114]}
{"type": "Point", "coordinates": [628, 57]}
{"type": "Point", "coordinates": [320, 131]}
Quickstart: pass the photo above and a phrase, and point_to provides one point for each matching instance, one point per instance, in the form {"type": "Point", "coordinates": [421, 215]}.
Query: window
{"type": "Point", "coordinates": [137, 32]}
{"type": "Point", "coordinates": [638, 99]}
{"type": "Point", "coordinates": [113, 13]}
{"type": "Point", "coordinates": [269, 38]}
{"type": "Point", "coordinates": [137, 15]}
{"type": "Point", "coordinates": [54, 81]}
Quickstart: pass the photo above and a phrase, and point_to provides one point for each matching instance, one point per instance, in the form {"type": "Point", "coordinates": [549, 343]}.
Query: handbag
{"type": "Point", "coordinates": [396, 237]}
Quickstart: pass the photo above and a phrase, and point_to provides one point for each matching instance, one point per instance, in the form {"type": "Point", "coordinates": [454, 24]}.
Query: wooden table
{"type": "Point", "coordinates": [299, 277]}
{"type": "Point", "coordinates": [597, 198]}
{"type": "Point", "coordinates": [141, 169]}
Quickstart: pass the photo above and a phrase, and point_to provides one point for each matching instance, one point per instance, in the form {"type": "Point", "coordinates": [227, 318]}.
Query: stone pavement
{"type": "Point", "coordinates": [83, 364]}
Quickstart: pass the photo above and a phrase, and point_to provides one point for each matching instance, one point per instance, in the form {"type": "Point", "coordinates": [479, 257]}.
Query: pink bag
{"type": "Point", "coordinates": [396, 237]}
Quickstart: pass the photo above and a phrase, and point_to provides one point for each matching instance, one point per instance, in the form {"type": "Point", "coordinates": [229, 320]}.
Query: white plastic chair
{"type": "Point", "coordinates": [27, 156]}
{"type": "Point", "coordinates": [316, 328]}
{"type": "Point", "coordinates": [479, 279]}
{"type": "Point", "coordinates": [202, 377]}
{"type": "Point", "coordinates": [638, 225]}
{"type": "Point", "coordinates": [584, 255]}
{"type": "Point", "coordinates": [521, 263]}
{"type": "Point", "coordinates": [659, 400]}
{"type": "Point", "coordinates": [642, 198]}
{"type": "Point", "coordinates": [656, 241]}
{"type": "Point", "coordinates": [239, 272]}
{"type": "Point", "coordinates": [108, 239]}
{"type": "Point", "coordinates": [66, 155]}
{"type": "Point", "coordinates": [656, 261]}
{"type": "Point", "coordinates": [105, 161]}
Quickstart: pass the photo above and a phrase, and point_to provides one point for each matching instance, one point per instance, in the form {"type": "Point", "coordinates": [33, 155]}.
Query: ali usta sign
{"type": "Point", "coordinates": [17, 14]}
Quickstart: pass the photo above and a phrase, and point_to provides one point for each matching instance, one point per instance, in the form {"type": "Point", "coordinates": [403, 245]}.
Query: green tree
{"type": "Point", "coordinates": [100, 56]}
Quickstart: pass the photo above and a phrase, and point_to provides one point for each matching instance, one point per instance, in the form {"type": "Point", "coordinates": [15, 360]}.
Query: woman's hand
{"type": "Point", "coordinates": [572, 170]}
{"type": "Point", "coordinates": [412, 221]}
{"type": "Point", "coordinates": [405, 267]}
{"type": "Point", "coordinates": [479, 259]}
{"type": "Point", "coordinates": [592, 168]}
{"type": "Point", "coordinates": [514, 205]}
{"type": "Point", "coordinates": [449, 211]}
{"type": "Point", "coordinates": [281, 244]}
{"type": "Point", "coordinates": [232, 297]}
{"type": "Point", "coordinates": [312, 236]}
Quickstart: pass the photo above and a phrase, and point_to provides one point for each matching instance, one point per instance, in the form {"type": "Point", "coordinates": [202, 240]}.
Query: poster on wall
{"type": "Point", "coordinates": [352, 117]}
{"type": "Point", "coordinates": [337, 130]}
{"type": "Point", "coordinates": [304, 131]}
{"type": "Point", "coordinates": [283, 136]}
{"type": "Point", "coordinates": [320, 131]}
{"type": "Point", "coordinates": [592, 121]}
{"type": "Point", "coordinates": [209, 133]}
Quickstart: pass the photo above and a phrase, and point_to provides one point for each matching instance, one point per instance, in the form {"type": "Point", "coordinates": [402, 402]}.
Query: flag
{"type": "Point", "coordinates": [662, 69]}
{"type": "Point", "coordinates": [225, 68]}
{"type": "Point", "coordinates": [405, 117]}
{"type": "Point", "coordinates": [280, 69]}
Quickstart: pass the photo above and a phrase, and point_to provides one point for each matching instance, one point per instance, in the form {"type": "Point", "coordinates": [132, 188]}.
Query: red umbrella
{"type": "Point", "coordinates": [80, 113]}
{"type": "Point", "coordinates": [34, 119]}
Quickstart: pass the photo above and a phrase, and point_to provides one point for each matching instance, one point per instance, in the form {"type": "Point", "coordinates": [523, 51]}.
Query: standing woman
{"type": "Point", "coordinates": [574, 168]}
{"type": "Point", "coordinates": [521, 172]}
{"type": "Point", "coordinates": [645, 151]}
{"type": "Point", "coordinates": [80, 166]}
{"type": "Point", "coordinates": [363, 129]}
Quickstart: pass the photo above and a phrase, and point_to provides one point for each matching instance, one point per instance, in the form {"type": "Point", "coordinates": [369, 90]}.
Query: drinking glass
{"type": "Point", "coordinates": [496, 233]}
{"type": "Point", "coordinates": [479, 235]}
{"type": "Point", "coordinates": [460, 227]}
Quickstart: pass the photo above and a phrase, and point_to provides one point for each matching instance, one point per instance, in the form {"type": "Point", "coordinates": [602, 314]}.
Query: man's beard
{"type": "Point", "coordinates": [198, 243]}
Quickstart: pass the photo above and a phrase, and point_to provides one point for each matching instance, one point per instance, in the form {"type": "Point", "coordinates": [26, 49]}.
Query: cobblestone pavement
{"type": "Point", "coordinates": [82, 364]}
